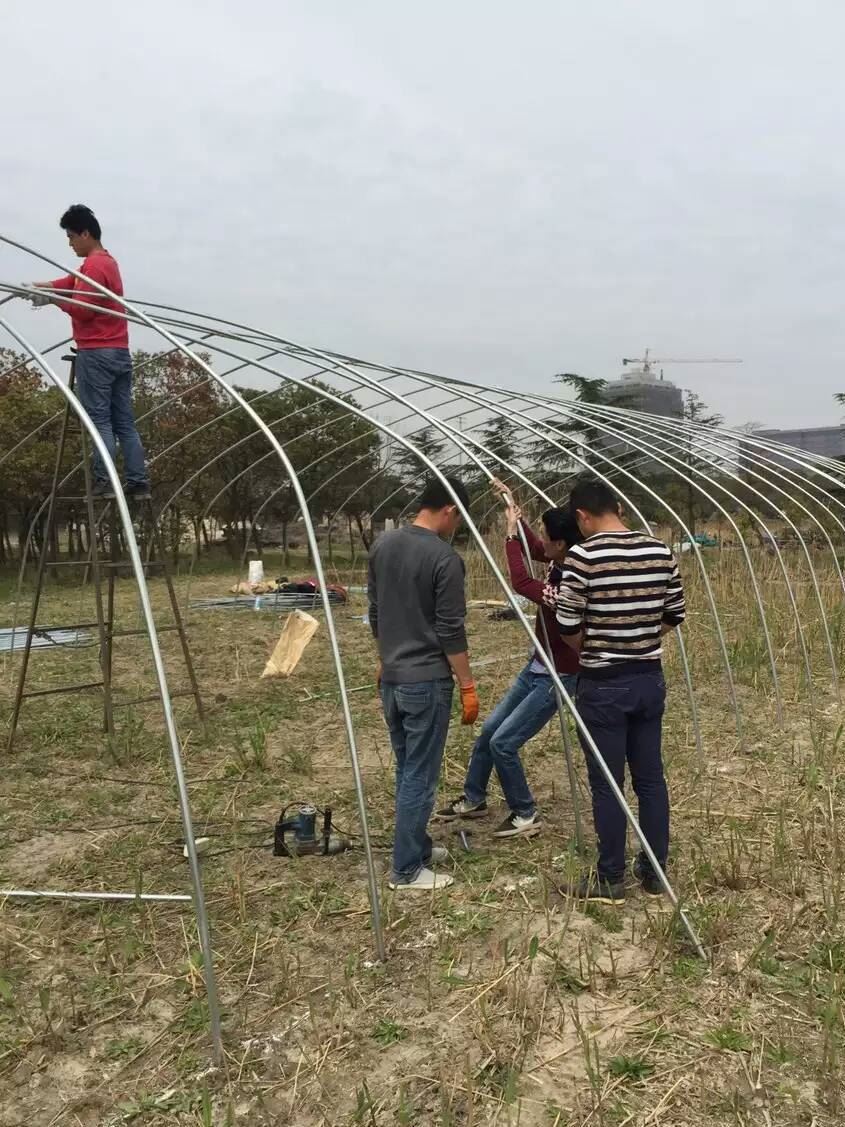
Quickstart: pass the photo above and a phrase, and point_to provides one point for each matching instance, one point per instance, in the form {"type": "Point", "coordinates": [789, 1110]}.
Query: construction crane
{"type": "Point", "coordinates": [648, 362]}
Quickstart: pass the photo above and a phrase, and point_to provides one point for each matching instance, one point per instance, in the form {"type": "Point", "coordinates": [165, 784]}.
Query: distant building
{"type": "Point", "coordinates": [639, 389]}
{"type": "Point", "coordinates": [827, 441]}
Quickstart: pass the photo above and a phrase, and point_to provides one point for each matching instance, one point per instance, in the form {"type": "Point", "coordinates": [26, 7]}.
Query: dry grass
{"type": "Point", "coordinates": [500, 1002]}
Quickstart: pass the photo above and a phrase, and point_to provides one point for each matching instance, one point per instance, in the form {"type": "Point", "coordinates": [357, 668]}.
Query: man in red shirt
{"type": "Point", "coordinates": [103, 363]}
{"type": "Point", "coordinates": [531, 701]}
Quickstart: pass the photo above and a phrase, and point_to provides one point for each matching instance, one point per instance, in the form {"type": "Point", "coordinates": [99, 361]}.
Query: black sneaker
{"type": "Point", "coordinates": [461, 808]}
{"type": "Point", "coordinates": [517, 826]}
{"type": "Point", "coordinates": [137, 492]}
{"type": "Point", "coordinates": [649, 881]}
{"type": "Point", "coordinates": [102, 491]}
{"type": "Point", "coordinates": [596, 891]}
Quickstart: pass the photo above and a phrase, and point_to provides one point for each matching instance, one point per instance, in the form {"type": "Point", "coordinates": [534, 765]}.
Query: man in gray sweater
{"type": "Point", "coordinates": [417, 611]}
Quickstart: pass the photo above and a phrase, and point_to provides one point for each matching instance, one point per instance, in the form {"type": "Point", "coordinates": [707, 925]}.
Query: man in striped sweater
{"type": "Point", "coordinates": [619, 594]}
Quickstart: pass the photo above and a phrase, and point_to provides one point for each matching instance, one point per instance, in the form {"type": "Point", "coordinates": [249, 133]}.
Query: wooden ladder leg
{"type": "Point", "coordinates": [39, 574]}
{"type": "Point", "coordinates": [155, 541]}
{"type": "Point", "coordinates": [97, 582]}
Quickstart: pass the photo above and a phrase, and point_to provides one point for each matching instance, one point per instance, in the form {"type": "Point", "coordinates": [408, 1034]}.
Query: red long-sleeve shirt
{"type": "Point", "coordinates": [543, 592]}
{"type": "Point", "coordinates": [91, 327]}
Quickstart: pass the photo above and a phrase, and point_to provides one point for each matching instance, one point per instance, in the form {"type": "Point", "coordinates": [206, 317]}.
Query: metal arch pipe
{"type": "Point", "coordinates": [394, 370]}
{"type": "Point", "coordinates": [825, 467]}
{"type": "Point", "coordinates": [379, 472]}
{"type": "Point", "coordinates": [531, 424]}
{"type": "Point", "coordinates": [659, 458]}
{"type": "Point", "coordinates": [681, 646]}
{"type": "Point", "coordinates": [78, 466]}
{"type": "Point", "coordinates": [374, 903]}
{"type": "Point", "coordinates": [726, 439]}
{"type": "Point", "coordinates": [564, 735]}
{"type": "Point", "coordinates": [383, 469]}
{"type": "Point", "coordinates": [678, 444]}
{"type": "Point", "coordinates": [296, 351]}
{"type": "Point", "coordinates": [330, 625]}
{"type": "Point", "coordinates": [785, 517]}
{"type": "Point", "coordinates": [292, 348]}
{"type": "Point", "coordinates": [379, 386]}
{"type": "Point", "coordinates": [252, 465]}
{"type": "Point", "coordinates": [122, 897]}
{"type": "Point", "coordinates": [10, 371]}
{"type": "Point", "coordinates": [234, 446]}
{"type": "Point", "coordinates": [555, 485]}
{"type": "Point", "coordinates": [262, 458]}
{"type": "Point", "coordinates": [27, 542]}
{"type": "Point", "coordinates": [613, 785]}
{"type": "Point", "coordinates": [573, 413]}
{"type": "Point", "coordinates": [679, 633]}
{"type": "Point", "coordinates": [596, 454]}
{"type": "Point", "coordinates": [310, 465]}
{"type": "Point", "coordinates": [767, 465]}
{"type": "Point", "coordinates": [435, 423]}
{"type": "Point", "coordinates": [570, 767]}
{"type": "Point", "coordinates": [241, 441]}
{"type": "Point", "coordinates": [161, 678]}
{"type": "Point", "coordinates": [803, 483]}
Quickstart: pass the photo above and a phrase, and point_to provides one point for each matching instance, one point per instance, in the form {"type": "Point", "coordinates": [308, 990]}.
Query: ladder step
{"type": "Point", "coordinates": [149, 699]}
{"type": "Point", "coordinates": [77, 497]}
{"type": "Point", "coordinates": [139, 633]}
{"type": "Point", "coordinates": [102, 563]}
{"type": "Point", "coordinates": [82, 497]}
{"type": "Point", "coordinates": [62, 689]}
{"type": "Point", "coordinates": [49, 629]}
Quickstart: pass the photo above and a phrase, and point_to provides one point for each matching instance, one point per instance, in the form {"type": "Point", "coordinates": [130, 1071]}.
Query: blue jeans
{"type": "Point", "coordinates": [104, 386]}
{"type": "Point", "coordinates": [624, 715]}
{"type": "Point", "coordinates": [417, 715]}
{"type": "Point", "coordinates": [524, 710]}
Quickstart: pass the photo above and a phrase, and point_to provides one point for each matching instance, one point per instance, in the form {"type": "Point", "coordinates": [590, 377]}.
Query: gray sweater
{"type": "Point", "coordinates": [417, 604]}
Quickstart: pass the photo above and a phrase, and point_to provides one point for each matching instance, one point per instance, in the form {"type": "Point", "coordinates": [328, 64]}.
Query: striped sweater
{"type": "Point", "coordinates": [619, 588]}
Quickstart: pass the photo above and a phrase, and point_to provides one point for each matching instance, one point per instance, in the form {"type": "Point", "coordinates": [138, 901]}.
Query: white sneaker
{"type": "Point", "coordinates": [439, 855]}
{"type": "Point", "coordinates": [424, 881]}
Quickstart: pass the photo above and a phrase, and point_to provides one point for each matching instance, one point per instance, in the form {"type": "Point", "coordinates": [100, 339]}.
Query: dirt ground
{"type": "Point", "coordinates": [501, 1001]}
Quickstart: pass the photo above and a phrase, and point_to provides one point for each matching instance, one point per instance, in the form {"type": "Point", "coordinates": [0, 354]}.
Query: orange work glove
{"type": "Point", "coordinates": [469, 704]}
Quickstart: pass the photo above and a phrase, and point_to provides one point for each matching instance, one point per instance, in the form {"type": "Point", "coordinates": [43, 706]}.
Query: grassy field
{"type": "Point", "coordinates": [501, 1002]}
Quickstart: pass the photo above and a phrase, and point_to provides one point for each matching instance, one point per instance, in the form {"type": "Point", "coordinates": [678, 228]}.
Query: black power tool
{"type": "Point", "coordinates": [302, 839]}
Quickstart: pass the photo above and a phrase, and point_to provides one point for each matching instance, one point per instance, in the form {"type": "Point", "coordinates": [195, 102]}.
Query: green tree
{"type": "Point", "coordinates": [27, 402]}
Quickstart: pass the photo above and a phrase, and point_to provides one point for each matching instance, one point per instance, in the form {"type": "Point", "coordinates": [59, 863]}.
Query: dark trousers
{"type": "Point", "coordinates": [624, 714]}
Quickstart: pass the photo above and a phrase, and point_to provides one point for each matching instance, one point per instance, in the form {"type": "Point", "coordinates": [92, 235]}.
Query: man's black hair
{"type": "Point", "coordinates": [436, 496]}
{"type": "Point", "coordinates": [561, 525]}
{"type": "Point", "coordinates": [79, 218]}
{"type": "Point", "coordinates": [594, 497]}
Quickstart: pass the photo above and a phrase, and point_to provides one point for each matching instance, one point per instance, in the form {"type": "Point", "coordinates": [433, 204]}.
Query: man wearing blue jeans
{"type": "Point", "coordinates": [417, 609]}
{"type": "Point", "coordinates": [103, 365]}
{"type": "Point", "coordinates": [531, 701]}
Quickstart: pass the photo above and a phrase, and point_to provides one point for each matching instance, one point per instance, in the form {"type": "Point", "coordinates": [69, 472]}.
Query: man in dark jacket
{"type": "Point", "coordinates": [417, 611]}
{"type": "Point", "coordinates": [531, 701]}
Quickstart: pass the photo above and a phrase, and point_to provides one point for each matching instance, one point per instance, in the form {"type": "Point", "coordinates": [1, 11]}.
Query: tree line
{"type": "Point", "coordinates": [224, 484]}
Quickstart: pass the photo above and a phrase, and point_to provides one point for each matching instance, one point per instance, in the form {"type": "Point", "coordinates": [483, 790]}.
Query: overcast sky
{"type": "Point", "coordinates": [491, 190]}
